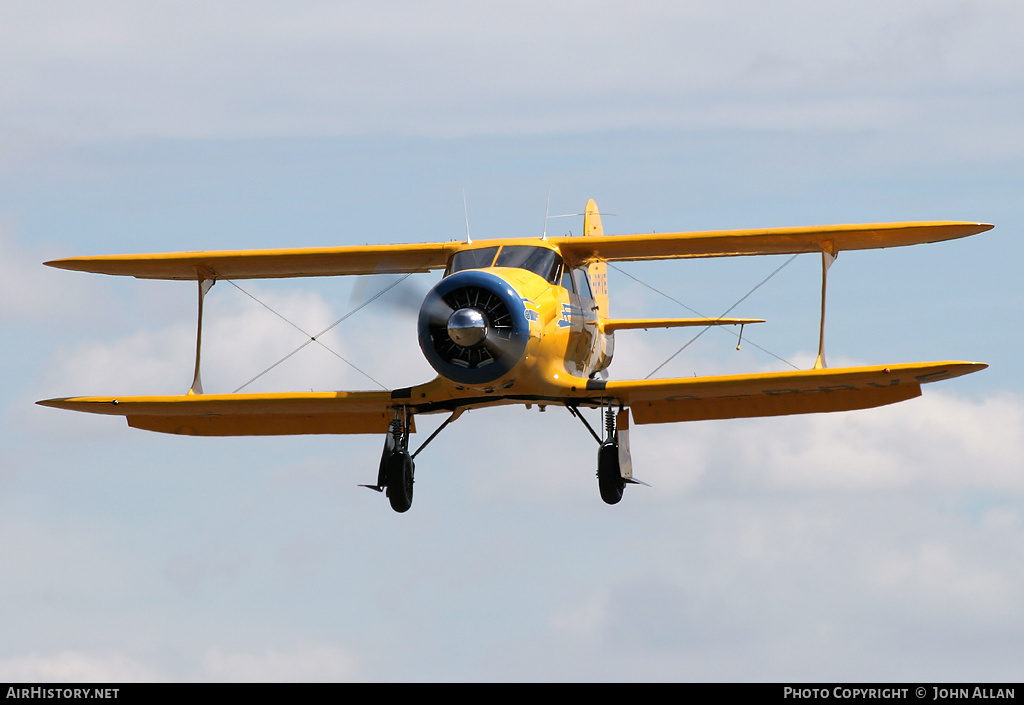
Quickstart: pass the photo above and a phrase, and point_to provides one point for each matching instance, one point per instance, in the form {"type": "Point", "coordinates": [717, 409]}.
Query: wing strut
{"type": "Point", "coordinates": [827, 258]}
{"type": "Point", "coordinates": [455, 414]}
{"type": "Point", "coordinates": [205, 284]}
{"type": "Point", "coordinates": [575, 411]}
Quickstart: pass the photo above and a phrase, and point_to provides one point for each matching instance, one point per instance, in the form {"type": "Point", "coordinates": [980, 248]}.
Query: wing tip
{"type": "Point", "coordinates": [90, 265]}
{"type": "Point", "coordinates": [950, 370]}
{"type": "Point", "coordinates": [970, 366]}
{"type": "Point", "coordinates": [978, 227]}
{"type": "Point", "coordinates": [79, 403]}
{"type": "Point", "coordinates": [66, 263]}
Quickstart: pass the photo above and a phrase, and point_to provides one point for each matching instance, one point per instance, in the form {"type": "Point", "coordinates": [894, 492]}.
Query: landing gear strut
{"type": "Point", "coordinates": [614, 465]}
{"type": "Point", "coordinates": [609, 472]}
{"type": "Point", "coordinates": [395, 473]}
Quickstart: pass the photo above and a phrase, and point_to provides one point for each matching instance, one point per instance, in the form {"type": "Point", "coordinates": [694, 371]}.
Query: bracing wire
{"type": "Point", "coordinates": [316, 338]}
{"type": "Point", "coordinates": [723, 315]}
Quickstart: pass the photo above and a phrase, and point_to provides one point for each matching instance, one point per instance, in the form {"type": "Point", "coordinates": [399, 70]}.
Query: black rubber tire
{"type": "Point", "coordinates": [400, 480]}
{"type": "Point", "coordinates": [609, 476]}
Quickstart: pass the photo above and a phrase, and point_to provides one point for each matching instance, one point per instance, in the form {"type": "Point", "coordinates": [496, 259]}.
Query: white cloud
{"type": "Point", "coordinates": [155, 361]}
{"type": "Point", "coordinates": [875, 589]}
{"type": "Point", "coordinates": [306, 663]}
{"type": "Point", "coordinates": [28, 290]}
{"type": "Point", "coordinates": [938, 441]}
{"type": "Point", "coordinates": [77, 667]}
{"type": "Point", "coordinates": [931, 445]}
{"type": "Point", "coordinates": [241, 340]}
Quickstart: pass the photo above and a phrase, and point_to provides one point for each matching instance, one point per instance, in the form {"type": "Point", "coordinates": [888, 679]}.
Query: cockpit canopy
{"type": "Point", "coordinates": [542, 261]}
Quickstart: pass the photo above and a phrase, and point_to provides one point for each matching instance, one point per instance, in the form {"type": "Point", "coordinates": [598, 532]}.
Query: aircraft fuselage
{"type": "Point", "coordinates": [518, 317]}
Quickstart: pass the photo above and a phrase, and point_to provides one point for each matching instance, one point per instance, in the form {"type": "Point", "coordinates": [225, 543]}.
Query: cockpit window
{"type": "Point", "coordinates": [567, 279]}
{"type": "Point", "coordinates": [539, 260]}
{"type": "Point", "coordinates": [582, 282]}
{"type": "Point", "coordinates": [472, 259]}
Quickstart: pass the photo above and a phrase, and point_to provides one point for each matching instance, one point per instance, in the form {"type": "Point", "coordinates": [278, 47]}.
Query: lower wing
{"type": "Point", "coordinates": [245, 414]}
{"type": "Point", "coordinates": [775, 394]}
{"type": "Point", "coordinates": [651, 401]}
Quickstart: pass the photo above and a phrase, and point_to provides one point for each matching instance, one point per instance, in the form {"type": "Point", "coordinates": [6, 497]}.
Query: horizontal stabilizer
{"type": "Point", "coordinates": [614, 324]}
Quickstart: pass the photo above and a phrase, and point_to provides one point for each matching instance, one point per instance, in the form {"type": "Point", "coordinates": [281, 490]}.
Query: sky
{"type": "Point", "coordinates": [884, 544]}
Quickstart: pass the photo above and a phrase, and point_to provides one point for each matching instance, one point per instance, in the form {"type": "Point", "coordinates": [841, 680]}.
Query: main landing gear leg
{"type": "Point", "coordinates": [609, 473]}
{"type": "Point", "coordinates": [614, 466]}
{"type": "Point", "coordinates": [395, 474]}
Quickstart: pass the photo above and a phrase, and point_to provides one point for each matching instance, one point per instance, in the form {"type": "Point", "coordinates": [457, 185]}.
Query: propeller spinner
{"type": "Point", "coordinates": [467, 327]}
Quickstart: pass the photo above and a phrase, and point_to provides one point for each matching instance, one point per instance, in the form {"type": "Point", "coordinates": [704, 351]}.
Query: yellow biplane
{"type": "Point", "coordinates": [522, 321]}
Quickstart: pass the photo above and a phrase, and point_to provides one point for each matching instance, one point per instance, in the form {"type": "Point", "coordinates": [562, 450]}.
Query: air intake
{"type": "Point", "coordinates": [473, 327]}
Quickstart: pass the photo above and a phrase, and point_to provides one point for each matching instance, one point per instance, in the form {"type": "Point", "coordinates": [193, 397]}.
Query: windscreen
{"type": "Point", "coordinates": [472, 259]}
{"type": "Point", "coordinates": [539, 260]}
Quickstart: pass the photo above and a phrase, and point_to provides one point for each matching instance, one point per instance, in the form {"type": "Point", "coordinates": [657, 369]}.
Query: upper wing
{"type": "Point", "coordinates": [777, 393]}
{"type": "Point", "coordinates": [245, 414]}
{"type": "Point", "coordinates": [422, 257]}
{"type": "Point", "coordinates": [767, 241]}
{"type": "Point", "coordinates": [265, 264]}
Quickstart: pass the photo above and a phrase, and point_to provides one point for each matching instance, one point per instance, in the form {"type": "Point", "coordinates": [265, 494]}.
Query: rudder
{"type": "Point", "coordinates": [597, 270]}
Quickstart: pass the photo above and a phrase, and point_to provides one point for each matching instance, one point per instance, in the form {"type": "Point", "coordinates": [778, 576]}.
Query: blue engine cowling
{"type": "Point", "coordinates": [473, 327]}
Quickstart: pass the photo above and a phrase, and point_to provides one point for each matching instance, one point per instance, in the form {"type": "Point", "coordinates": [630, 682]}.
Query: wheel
{"type": "Point", "coordinates": [399, 481]}
{"type": "Point", "coordinates": [609, 476]}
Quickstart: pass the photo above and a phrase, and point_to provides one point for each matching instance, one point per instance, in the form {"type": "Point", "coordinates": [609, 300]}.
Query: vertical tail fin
{"type": "Point", "coordinates": [597, 271]}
